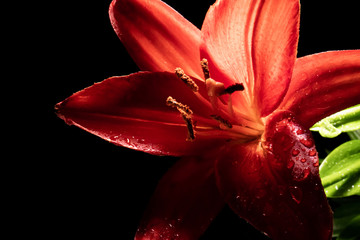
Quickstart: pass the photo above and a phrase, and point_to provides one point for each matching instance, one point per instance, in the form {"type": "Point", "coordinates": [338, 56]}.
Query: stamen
{"type": "Point", "coordinates": [233, 88]}
{"type": "Point", "coordinates": [175, 104]}
{"type": "Point", "coordinates": [186, 113]}
{"type": "Point", "coordinates": [186, 79]}
{"type": "Point", "coordinates": [222, 121]}
{"type": "Point", "coordinates": [205, 67]}
{"type": "Point", "coordinates": [189, 125]}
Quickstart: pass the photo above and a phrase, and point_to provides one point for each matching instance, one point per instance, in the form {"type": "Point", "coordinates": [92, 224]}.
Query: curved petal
{"type": "Point", "coordinates": [131, 111]}
{"type": "Point", "coordinates": [323, 84]}
{"type": "Point", "coordinates": [275, 183]}
{"type": "Point", "coordinates": [156, 36]}
{"type": "Point", "coordinates": [254, 43]}
{"type": "Point", "coordinates": [184, 203]}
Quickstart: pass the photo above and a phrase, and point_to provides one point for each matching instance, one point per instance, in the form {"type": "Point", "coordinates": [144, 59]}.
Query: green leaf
{"type": "Point", "coordinates": [344, 121]}
{"type": "Point", "coordinates": [346, 209]}
{"type": "Point", "coordinates": [354, 135]}
{"type": "Point", "coordinates": [351, 231]}
{"type": "Point", "coordinates": [340, 170]}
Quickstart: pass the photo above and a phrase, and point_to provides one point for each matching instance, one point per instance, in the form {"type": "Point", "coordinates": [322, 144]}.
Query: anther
{"type": "Point", "coordinates": [175, 104]}
{"type": "Point", "coordinates": [186, 113]}
{"type": "Point", "coordinates": [233, 88]}
{"type": "Point", "coordinates": [189, 125]}
{"type": "Point", "coordinates": [222, 121]}
{"type": "Point", "coordinates": [205, 67]}
{"type": "Point", "coordinates": [186, 79]}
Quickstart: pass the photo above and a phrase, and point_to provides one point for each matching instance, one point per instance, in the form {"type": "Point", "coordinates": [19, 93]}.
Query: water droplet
{"type": "Point", "coordinates": [312, 152]}
{"type": "Point", "coordinates": [300, 131]}
{"type": "Point", "coordinates": [307, 143]}
{"type": "Point", "coordinates": [296, 194]}
{"type": "Point", "coordinates": [290, 164]}
{"type": "Point", "coordinates": [336, 187]}
{"type": "Point", "coordinates": [306, 173]}
{"type": "Point", "coordinates": [114, 138]}
{"type": "Point", "coordinates": [295, 152]}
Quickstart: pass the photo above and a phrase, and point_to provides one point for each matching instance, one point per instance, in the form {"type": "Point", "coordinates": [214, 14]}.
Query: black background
{"type": "Point", "coordinates": [79, 185]}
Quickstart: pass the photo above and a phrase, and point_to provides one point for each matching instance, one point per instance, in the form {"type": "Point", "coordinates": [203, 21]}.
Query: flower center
{"type": "Point", "coordinates": [239, 126]}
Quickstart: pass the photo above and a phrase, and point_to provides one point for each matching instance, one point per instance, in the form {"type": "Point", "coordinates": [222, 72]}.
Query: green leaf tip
{"type": "Point", "coordinates": [347, 120]}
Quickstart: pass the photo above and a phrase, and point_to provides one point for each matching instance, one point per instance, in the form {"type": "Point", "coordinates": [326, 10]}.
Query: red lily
{"type": "Point", "coordinates": [242, 129]}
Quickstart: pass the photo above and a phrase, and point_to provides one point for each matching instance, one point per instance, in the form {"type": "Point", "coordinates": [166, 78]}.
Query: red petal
{"type": "Point", "coordinates": [131, 111]}
{"type": "Point", "coordinates": [323, 84]}
{"type": "Point", "coordinates": [275, 183]}
{"type": "Point", "coordinates": [253, 42]}
{"type": "Point", "coordinates": [156, 36]}
{"type": "Point", "coordinates": [184, 203]}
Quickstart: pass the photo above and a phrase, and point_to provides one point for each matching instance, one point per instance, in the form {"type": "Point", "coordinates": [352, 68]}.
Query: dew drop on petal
{"type": "Point", "coordinates": [296, 194]}
{"type": "Point", "coordinates": [307, 143]}
{"type": "Point", "coordinates": [295, 152]}
{"type": "Point", "coordinates": [290, 164]}
{"type": "Point", "coordinates": [306, 173]}
{"type": "Point", "coordinates": [312, 152]}
{"type": "Point", "coordinates": [300, 131]}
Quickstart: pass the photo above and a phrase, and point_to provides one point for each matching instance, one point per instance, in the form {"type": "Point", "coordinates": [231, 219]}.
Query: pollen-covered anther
{"type": "Point", "coordinates": [186, 79]}
{"type": "Point", "coordinates": [185, 113]}
{"type": "Point", "coordinates": [205, 67]}
{"type": "Point", "coordinates": [190, 126]}
{"type": "Point", "coordinates": [222, 121]}
{"type": "Point", "coordinates": [175, 104]}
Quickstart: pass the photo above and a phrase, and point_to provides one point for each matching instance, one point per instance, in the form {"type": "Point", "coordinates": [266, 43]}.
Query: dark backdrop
{"type": "Point", "coordinates": [81, 185]}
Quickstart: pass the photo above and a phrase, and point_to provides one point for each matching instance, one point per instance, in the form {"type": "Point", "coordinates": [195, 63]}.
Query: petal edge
{"type": "Point", "coordinates": [323, 84]}
{"type": "Point", "coordinates": [156, 36]}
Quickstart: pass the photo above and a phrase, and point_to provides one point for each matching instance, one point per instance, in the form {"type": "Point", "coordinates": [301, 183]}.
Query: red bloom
{"type": "Point", "coordinates": [240, 121]}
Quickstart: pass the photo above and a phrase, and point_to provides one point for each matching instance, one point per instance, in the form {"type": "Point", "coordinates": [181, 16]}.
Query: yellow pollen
{"type": "Point", "coordinates": [186, 79]}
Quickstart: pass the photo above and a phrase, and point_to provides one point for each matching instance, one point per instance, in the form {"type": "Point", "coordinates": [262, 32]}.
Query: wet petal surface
{"type": "Point", "coordinates": [275, 184]}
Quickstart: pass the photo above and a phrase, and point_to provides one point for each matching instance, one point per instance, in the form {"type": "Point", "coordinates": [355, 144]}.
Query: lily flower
{"type": "Point", "coordinates": [234, 102]}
